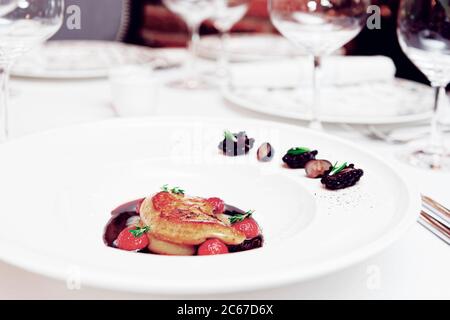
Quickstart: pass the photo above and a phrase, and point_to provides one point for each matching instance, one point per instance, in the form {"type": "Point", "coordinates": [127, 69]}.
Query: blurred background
{"type": "Point", "coordinates": [150, 23]}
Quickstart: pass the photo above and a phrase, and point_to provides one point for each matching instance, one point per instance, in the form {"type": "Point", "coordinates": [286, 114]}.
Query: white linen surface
{"type": "Point", "coordinates": [340, 70]}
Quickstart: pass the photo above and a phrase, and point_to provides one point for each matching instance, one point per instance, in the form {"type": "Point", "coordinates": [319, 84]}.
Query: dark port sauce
{"type": "Point", "coordinates": [122, 213]}
{"type": "Point", "coordinates": [118, 220]}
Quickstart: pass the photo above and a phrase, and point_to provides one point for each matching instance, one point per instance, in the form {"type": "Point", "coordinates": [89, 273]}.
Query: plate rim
{"type": "Point", "coordinates": [49, 266]}
{"type": "Point", "coordinates": [95, 73]}
{"type": "Point", "coordinates": [239, 102]}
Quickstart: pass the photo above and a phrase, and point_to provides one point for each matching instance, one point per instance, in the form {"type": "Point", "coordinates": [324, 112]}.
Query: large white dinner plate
{"type": "Point", "coordinates": [73, 59]}
{"type": "Point", "coordinates": [59, 187]}
{"type": "Point", "coordinates": [371, 102]}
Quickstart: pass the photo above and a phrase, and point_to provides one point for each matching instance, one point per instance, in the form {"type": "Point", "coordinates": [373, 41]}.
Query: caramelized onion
{"type": "Point", "coordinates": [317, 168]}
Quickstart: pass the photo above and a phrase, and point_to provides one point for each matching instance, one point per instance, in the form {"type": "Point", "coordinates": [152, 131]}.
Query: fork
{"type": "Point", "coordinates": [374, 133]}
{"type": "Point", "coordinates": [436, 218]}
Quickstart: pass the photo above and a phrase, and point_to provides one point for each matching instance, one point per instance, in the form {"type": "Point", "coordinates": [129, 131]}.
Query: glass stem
{"type": "Point", "coordinates": [316, 104]}
{"type": "Point", "coordinates": [436, 141]}
{"type": "Point", "coordinates": [4, 100]}
{"type": "Point", "coordinates": [192, 60]}
{"type": "Point", "coordinates": [223, 59]}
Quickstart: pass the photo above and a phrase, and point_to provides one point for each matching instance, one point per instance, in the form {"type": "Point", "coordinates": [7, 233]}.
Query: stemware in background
{"type": "Point", "coordinates": [29, 24]}
{"type": "Point", "coordinates": [319, 27]}
{"type": "Point", "coordinates": [6, 6]}
{"type": "Point", "coordinates": [226, 14]}
{"type": "Point", "coordinates": [193, 12]}
{"type": "Point", "coordinates": [424, 35]}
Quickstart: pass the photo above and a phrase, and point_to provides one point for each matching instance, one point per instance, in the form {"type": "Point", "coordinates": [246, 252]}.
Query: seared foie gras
{"type": "Point", "coordinates": [169, 248]}
{"type": "Point", "coordinates": [185, 220]}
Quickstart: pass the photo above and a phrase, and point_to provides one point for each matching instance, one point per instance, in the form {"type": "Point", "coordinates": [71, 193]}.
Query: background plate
{"type": "Point", "coordinates": [72, 59]}
{"type": "Point", "coordinates": [383, 102]}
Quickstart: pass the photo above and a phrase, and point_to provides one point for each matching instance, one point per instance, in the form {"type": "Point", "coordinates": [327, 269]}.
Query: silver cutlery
{"type": "Point", "coordinates": [436, 218]}
{"type": "Point", "coordinates": [376, 134]}
{"type": "Point", "coordinates": [436, 210]}
{"type": "Point", "coordinates": [388, 136]}
{"type": "Point", "coordinates": [159, 63]}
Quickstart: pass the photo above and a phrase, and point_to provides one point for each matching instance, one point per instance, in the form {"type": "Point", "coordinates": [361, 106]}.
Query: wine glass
{"type": "Point", "coordinates": [193, 12]}
{"type": "Point", "coordinates": [424, 35]}
{"type": "Point", "coordinates": [29, 24]}
{"type": "Point", "coordinates": [6, 6]}
{"type": "Point", "coordinates": [319, 27]}
{"type": "Point", "coordinates": [226, 14]}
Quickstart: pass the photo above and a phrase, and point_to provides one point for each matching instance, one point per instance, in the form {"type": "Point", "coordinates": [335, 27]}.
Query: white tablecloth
{"type": "Point", "coordinates": [417, 266]}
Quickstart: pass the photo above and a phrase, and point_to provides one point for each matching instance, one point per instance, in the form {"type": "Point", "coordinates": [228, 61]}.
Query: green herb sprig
{"type": "Point", "coordinates": [174, 190]}
{"type": "Point", "coordinates": [335, 169]}
{"type": "Point", "coordinates": [241, 217]}
{"type": "Point", "coordinates": [298, 151]}
{"type": "Point", "coordinates": [139, 231]}
{"type": "Point", "coordinates": [177, 190]}
{"type": "Point", "coordinates": [229, 136]}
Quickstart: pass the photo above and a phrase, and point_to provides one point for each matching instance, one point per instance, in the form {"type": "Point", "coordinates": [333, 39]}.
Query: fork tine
{"type": "Point", "coordinates": [437, 228]}
{"type": "Point", "coordinates": [436, 210]}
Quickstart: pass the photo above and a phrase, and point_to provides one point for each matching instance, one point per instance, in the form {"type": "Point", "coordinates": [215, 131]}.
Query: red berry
{"type": "Point", "coordinates": [248, 226]}
{"type": "Point", "coordinates": [212, 246]}
{"type": "Point", "coordinates": [217, 203]}
{"type": "Point", "coordinates": [127, 241]}
{"type": "Point", "coordinates": [162, 199]}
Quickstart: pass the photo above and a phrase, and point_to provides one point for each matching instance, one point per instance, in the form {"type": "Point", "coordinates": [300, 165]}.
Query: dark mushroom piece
{"type": "Point", "coordinates": [342, 177]}
{"type": "Point", "coordinates": [296, 158]}
{"type": "Point", "coordinates": [236, 144]}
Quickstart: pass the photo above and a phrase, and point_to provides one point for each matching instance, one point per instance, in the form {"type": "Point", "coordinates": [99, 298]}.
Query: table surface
{"type": "Point", "coordinates": [415, 267]}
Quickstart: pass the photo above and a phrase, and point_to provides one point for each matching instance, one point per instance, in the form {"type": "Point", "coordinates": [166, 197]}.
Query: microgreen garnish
{"type": "Point", "coordinates": [139, 231]}
{"type": "Point", "coordinates": [175, 190]}
{"type": "Point", "coordinates": [298, 151]}
{"type": "Point", "coordinates": [337, 168]}
{"type": "Point", "coordinates": [229, 136]}
{"type": "Point", "coordinates": [241, 217]}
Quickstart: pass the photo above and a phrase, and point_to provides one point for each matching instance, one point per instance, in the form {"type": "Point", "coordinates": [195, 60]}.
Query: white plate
{"type": "Point", "coordinates": [383, 102]}
{"type": "Point", "coordinates": [248, 47]}
{"type": "Point", "coordinates": [59, 187]}
{"type": "Point", "coordinates": [73, 59]}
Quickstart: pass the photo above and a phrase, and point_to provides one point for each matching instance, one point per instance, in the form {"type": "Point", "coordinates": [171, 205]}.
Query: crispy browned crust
{"type": "Point", "coordinates": [190, 221]}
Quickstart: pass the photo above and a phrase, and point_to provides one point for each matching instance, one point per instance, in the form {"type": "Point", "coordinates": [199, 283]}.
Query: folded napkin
{"type": "Point", "coordinates": [336, 70]}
